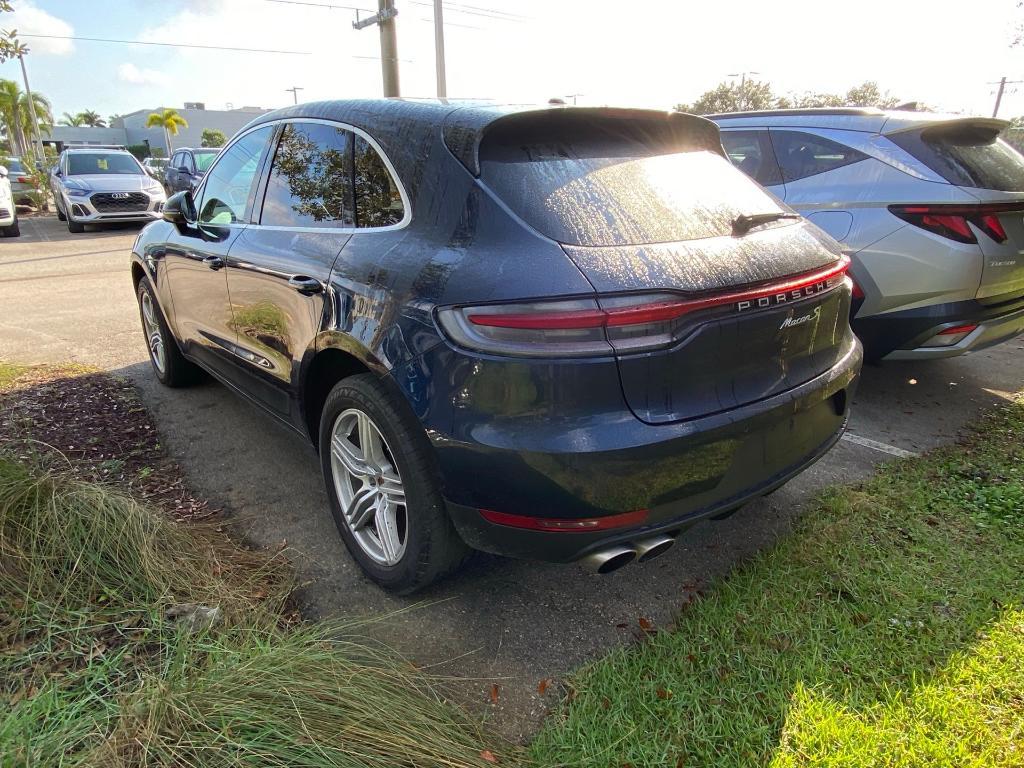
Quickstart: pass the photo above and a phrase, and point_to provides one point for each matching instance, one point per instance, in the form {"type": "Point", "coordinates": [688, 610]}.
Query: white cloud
{"type": "Point", "coordinates": [129, 73]}
{"type": "Point", "coordinates": [26, 18]}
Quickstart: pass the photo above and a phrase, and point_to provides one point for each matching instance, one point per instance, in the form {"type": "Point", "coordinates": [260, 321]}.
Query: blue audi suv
{"type": "Point", "coordinates": [546, 332]}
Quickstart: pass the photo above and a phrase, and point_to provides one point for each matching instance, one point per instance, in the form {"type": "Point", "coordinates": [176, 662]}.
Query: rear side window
{"type": "Point", "coordinates": [310, 182]}
{"type": "Point", "coordinates": [967, 156]}
{"type": "Point", "coordinates": [378, 201]}
{"type": "Point", "coordinates": [751, 152]}
{"type": "Point", "coordinates": [597, 192]}
{"type": "Point", "coordinates": [802, 155]}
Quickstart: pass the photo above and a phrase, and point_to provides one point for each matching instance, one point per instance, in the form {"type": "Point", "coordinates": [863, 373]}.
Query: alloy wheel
{"type": "Point", "coordinates": [154, 337]}
{"type": "Point", "coordinates": [369, 487]}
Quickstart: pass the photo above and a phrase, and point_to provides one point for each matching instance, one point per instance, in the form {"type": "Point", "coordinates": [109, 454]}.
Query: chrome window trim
{"type": "Point", "coordinates": [407, 208]}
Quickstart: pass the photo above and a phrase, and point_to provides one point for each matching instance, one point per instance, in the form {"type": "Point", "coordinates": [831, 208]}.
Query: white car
{"type": "Point", "coordinates": [8, 213]}
{"type": "Point", "coordinates": [93, 185]}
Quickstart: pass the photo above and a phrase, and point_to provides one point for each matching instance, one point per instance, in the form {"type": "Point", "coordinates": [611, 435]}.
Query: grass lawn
{"type": "Point", "coordinates": [129, 639]}
{"type": "Point", "coordinates": [887, 630]}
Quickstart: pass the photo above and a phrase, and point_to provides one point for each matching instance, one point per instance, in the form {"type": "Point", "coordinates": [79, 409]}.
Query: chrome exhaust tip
{"type": "Point", "coordinates": [608, 560]}
{"type": "Point", "coordinates": [648, 549]}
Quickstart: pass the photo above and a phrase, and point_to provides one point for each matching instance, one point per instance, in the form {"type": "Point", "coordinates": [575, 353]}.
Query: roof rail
{"type": "Point", "coordinates": [809, 111]}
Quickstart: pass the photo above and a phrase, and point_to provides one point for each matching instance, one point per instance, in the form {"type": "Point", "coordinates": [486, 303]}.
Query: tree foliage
{"type": "Point", "coordinates": [169, 120]}
{"type": "Point", "coordinates": [213, 138]}
{"type": "Point", "coordinates": [10, 47]}
{"type": "Point", "coordinates": [16, 117]}
{"type": "Point", "coordinates": [758, 94]}
{"type": "Point", "coordinates": [88, 118]}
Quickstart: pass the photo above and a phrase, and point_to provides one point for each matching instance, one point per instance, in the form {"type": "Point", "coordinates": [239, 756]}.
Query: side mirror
{"type": "Point", "coordinates": [180, 208]}
{"type": "Point", "coordinates": [58, 173]}
{"type": "Point", "coordinates": [182, 169]}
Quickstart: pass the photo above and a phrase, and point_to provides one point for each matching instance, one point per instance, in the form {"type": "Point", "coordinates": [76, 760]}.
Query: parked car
{"type": "Point", "coordinates": [8, 213]}
{"type": "Point", "coordinates": [563, 334]}
{"type": "Point", "coordinates": [98, 186]}
{"type": "Point", "coordinates": [187, 168]}
{"type": "Point", "coordinates": [931, 208]}
{"type": "Point", "coordinates": [21, 182]}
{"type": "Point", "coordinates": [155, 166]}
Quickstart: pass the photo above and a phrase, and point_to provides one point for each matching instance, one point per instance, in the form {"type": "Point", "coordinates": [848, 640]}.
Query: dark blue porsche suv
{"type": "Point", "coordinates": [547, 332]}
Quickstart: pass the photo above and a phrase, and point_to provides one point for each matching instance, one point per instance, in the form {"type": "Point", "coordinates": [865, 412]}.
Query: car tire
{"type": "Point", "coordinates": [171, 367]}
{"type": "Point", "coordinates": [13, 229]}
{"type": "Point", "coordinates": [60, 212]}
{"type": "Point", "coordinates": [74, 227]}
{"type": "Point", "coordinates": [424, 544]}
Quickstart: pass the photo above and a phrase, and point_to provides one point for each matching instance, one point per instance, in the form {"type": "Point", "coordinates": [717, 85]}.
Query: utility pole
{"type": "Point", "coordinates": [385, 19]}
{"type": "Point", "coordinates": [442, 84]}
{"type": "Point", "coordinates": [31, 109]}
{"type": "Point", "coordinates": [1003, 82]}
{"type": "Point", "coordinates": [743, 85]}
{"type": "Point", "coordinates": [294, 90]}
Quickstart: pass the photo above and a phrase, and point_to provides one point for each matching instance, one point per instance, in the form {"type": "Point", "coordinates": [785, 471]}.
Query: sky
{"type": "Point", "coordinates": [657, 54]}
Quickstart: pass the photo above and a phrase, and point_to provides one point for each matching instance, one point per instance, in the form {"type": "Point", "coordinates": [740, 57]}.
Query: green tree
{"type": "Point", "coordinates": [16, 118]}
{"type": "Point", "coordinates": [9, 45]}
{"type": "Point", "coordinates": [169, 120]}
{"type": "Point", "coordinates": [734, 97]}
{"type": "Point", "coordinates": [868, 94]}
{"type": "Point", "coordinates": [72, 120]}
{"type": "Point", "coordinates": [213, 138]}
{"type": "Point", "coordinates": [92, 119]}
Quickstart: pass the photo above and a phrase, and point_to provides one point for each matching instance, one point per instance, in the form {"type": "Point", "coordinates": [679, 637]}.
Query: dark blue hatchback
{"type": "Point", "coordinates": [554, 333]}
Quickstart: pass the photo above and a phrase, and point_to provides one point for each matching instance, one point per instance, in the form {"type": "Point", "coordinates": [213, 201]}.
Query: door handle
{"type": "Point", "coordinates": [305, 285]}
{"type": "Point", "coordinates": [213, 262]}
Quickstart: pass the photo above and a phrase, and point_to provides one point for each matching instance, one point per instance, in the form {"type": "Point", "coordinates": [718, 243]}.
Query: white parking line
{"type": "Point", "coordinates": [867, 442]}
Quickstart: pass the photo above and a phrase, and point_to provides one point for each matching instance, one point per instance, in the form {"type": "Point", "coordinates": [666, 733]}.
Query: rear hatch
{"type": "Point", "coordinates": [703, 316]}
{"type": "Point", "coordinates": [969, 154]}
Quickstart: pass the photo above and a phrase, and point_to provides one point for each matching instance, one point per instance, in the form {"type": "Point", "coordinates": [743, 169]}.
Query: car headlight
{"type": "Point", "coordinates": [77, 191]}
{"type": "Point", "coordinates": [154, 189]}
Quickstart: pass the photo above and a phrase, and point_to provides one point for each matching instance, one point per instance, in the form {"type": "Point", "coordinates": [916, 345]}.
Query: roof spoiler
{"type": "Point", "coordinates": [984, 124]}
{"type": "Point", "coordinates": [465, 136]}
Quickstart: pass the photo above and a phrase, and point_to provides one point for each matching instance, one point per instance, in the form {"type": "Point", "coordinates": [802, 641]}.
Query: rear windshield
{"type": "Point", "coordinates": [967, 157]}
{"type": "Point", "coordinates": [83, 163]}
{"type": "Point", "coordinates": [204, 159]}
{"type": "Point", "coordinates": [14, 165]}
{"type": "Point", "coordinates": [602, 192]}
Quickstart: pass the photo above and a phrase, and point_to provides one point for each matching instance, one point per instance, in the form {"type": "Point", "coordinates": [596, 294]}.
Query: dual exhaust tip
{"type": "Point", "coordinates": [614, 558]}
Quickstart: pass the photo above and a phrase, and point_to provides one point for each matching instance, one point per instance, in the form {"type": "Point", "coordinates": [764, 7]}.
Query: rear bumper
{"type": "Point", "coordinates": [900, 335]}
{"type": "Point", "coordinates": [680, 473]}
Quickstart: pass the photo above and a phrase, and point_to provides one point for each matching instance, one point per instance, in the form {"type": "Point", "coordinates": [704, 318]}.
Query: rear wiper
{"type": "Point", "coordinates": [746, 222]}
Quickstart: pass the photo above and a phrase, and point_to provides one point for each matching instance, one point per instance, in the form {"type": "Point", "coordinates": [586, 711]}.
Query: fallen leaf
{"type": "Point", "coordinates": [495, 689]}
{"type": "Point", "coordinates": [542, 686]}
{"type": "Point", "coordinates": [489, 756]}
{"type": "Point", "coordinates": [606, 703]}
{"type": "Point", "coordinates": [646, 624]}
{"type": "Point", "coordinates": [664, 694]}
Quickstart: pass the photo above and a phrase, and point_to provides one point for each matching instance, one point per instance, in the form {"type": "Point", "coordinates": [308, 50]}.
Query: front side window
{"type": "Point", "coordinates": [310, 183]}
{"type": "Point", "coordinates": [378, 201]}
{"type": "Point", "coordinates": [229, 186]}
{"type": "Point", "coordinates": [89, 163]}
{"type": "Point", "coordinates": [801, 155]}
{"type": "Point", "coordinates": [751, 152]}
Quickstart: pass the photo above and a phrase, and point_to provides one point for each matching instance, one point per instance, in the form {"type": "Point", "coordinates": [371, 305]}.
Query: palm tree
{"type": "Point", "coordinates": [72, 120]}
{"type": "Point", "coordinates": [10, 115]}
{"type": "Point", "coordinates": [170, 121]}
{"type": "Point", "coordinates": [44, 116]}
{"type": "Point", "coordinates": [92, 119]}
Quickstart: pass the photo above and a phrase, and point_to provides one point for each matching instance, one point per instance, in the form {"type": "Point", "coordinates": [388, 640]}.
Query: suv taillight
{"type": "Point", "coordinates": [953, 220]}
{"type": "Point", "coordinates": [609, 324]}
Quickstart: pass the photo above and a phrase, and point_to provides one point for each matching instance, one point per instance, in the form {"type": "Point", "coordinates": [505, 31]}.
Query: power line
{"type": "Point", "coordinates": [169, 45]}
{"type": "Point", "coordinates": [333, 6]}
{"type": "Point", "coordinates": [465, 9]}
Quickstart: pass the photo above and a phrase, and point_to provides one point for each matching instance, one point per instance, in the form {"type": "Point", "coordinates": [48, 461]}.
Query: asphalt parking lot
{"type": "Point", "coordinates": [69, 297]}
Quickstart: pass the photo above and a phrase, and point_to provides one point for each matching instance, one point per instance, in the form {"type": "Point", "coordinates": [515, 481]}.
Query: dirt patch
{"type": "Point", "coordinates": [98, 427]}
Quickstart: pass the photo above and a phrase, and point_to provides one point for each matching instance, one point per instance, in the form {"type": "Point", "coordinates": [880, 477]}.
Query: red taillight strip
{"type": "Point", "coordinates": [961, 209]}
{"type": "Point", "coordinates": [566, 524]}
{"type": "Point", "coordinates": [656, 312]}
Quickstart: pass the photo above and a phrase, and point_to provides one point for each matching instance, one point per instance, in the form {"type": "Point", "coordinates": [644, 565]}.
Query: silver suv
{"type": "Point", "coordinates": [96, 186]}
{"type": "Point", "coordinates": [930, 208]}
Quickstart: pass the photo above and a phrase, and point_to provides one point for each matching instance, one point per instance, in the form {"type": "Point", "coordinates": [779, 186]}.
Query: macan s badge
{"type": "Point", "coordinates": [791, 322]}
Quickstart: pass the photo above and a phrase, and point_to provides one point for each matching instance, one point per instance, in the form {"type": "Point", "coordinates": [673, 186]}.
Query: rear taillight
{"type": "Point", "coordinates": [950, 336]}
{"type": "Point", "coordinates": [953, 221]}
{"type": "Point", "coordinates": [614, 323]}
{"type": "Point", "coordinates": [23, 179]}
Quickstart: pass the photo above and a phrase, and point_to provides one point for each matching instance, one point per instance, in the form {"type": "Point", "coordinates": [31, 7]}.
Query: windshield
{"type": "Point", "coordinates": [204, 159]}
{"type": "Point", "coordinates": [601, 193]}
{"type": "Point", "coordinates": [14, 165]}
{"type": "Point", "coordinates": [83, 163]}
